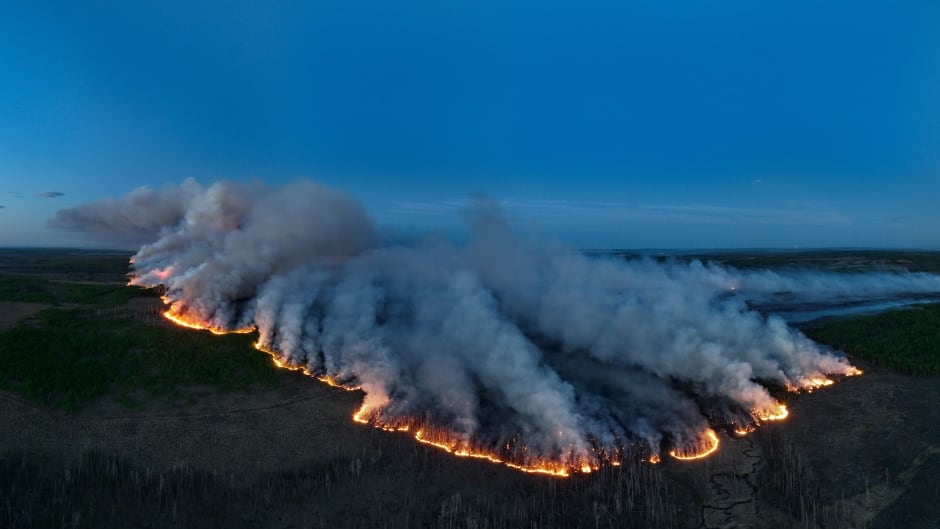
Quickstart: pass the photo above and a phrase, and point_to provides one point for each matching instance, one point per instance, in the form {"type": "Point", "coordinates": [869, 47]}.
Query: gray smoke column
{"type": "Point", "coordinates": [526, 350]}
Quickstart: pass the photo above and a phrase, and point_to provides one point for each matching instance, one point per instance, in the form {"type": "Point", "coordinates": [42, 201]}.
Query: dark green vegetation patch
{"type": "Point", "coordinates": [71, 264]}
{"type": "Point", "coordinates": [38, 290]}
{"type": "Point", "coordinates": [68, 355]}
{"type": "Point", "coordinates": [906, 340]}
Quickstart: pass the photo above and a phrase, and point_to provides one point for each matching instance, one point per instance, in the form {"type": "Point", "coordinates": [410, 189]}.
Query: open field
{"type": "Point", "coordinates": [113, 418]}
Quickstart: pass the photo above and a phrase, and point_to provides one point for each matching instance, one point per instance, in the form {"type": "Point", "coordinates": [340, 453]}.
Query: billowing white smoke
{"type": "Point", "coordinates": [498, 341]}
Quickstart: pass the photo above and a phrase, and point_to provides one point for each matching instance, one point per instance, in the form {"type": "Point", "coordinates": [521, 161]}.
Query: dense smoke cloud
{"type": "Point", "coordinates": [527, 350]}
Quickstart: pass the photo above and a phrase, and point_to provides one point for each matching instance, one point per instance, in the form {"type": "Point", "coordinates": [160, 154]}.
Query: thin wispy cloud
{"type": "Point", "coordinates": [575, 212]}
{"type": "Point", "coordinates": [16, 194]}
{"type": "Point", "coordinates": [50, 194]}
{"type": "Point", "coordinates": [813, 216]}
{"type": "Point", "coordinates": [543, 211]}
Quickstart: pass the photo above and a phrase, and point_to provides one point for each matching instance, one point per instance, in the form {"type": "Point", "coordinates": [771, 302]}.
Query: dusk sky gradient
{"type": "Point", "coordinates": [652, 124]}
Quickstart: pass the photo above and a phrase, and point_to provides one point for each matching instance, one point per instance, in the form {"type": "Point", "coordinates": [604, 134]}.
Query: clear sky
{"type": "Point", "coordinates": [651, 123]}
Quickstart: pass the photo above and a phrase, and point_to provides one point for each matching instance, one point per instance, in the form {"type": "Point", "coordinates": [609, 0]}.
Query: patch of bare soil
{"type": "Point", "coordinates": [13, 311]}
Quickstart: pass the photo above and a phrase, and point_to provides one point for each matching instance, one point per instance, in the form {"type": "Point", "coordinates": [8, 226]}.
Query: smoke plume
{"type": "Point", "coordinates": [135, 219]}
{"type": "Point", "coordinates": [525, 350]}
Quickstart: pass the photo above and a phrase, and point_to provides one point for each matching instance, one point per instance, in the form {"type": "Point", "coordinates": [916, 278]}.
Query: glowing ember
{"type": "Point", "coordinates": [809, 384]}
{"type": "Point", "coordinates": [777, 414]}
{"type": "Point", "coordinates": [708, 446]}
{"type": "Point", "coordinates": [741, 431]}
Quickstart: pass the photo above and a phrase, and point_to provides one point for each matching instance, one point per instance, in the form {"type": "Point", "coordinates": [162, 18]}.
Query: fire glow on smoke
{"type": "Point", "coordinates": [705, 445]}
{"type": "Point", "coordinates": [524, 353]}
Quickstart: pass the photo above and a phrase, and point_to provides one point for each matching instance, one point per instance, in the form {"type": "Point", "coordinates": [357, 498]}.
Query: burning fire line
{"type": "Point", "coordinates": [451, 444]}
{"type": "Point", "coordinates": [709, 447]}
{"type": "Point", "coordinates": [448, 442]}
{"type": "Point", "coordinates": [182, 321]}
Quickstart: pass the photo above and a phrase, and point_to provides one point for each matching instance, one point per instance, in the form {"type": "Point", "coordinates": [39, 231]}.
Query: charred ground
{"type": "Point", "coordinates": [112, 418]}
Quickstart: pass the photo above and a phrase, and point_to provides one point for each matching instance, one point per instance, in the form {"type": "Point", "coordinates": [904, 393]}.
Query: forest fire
{"type": "Point", "coordinates": [183, 321]}
{"type": "Point", "coordinates": [452, 444]}
{"type": "Point", "coordinates": [457, 445]}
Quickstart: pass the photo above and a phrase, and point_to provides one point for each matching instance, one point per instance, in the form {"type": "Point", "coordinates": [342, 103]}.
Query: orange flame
{"type": "Point", "coordinates": [184, 321]}
{"type": "Point", "coordinates": [809, 384]}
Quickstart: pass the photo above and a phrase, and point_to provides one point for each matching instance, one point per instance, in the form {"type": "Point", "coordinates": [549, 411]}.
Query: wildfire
{"type": "Point", "coordinates": [455, 445]}
{"type": "Point", "coordinates": [332, 381]}
{"type": "Point", "coordinates": [779, 413]}
{"type": "Point", "coordinates": [452, 444]}
{"type": "Point", "coordinates": [184, 321]}
{"type": "Point", "coordinates": [360, 415]}
{"type": "Point", "coordinates": [558, 472]}
{"type": "Point", "coordinates": [708, 446]}
{"type": "Point", "coordinates": [810, 384]}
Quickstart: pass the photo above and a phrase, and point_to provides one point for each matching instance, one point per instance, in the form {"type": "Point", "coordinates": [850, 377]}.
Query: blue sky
{"type": "Point", "coordinates": [620, 124]}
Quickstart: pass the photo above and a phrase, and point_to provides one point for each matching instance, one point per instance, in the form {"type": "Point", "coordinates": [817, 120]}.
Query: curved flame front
{"type": "Point", "coordinates": [455, 445]}
{"type": "Point", "coordinates": [706, 446]}
{"type": "Point", "coordinates": [191, 323]}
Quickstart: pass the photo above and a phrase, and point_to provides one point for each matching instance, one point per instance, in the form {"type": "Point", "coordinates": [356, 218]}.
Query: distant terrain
{"type": "Point", "coordinates": [840, 260]}
{"type": "Point", "coordinates": [113, 417]}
